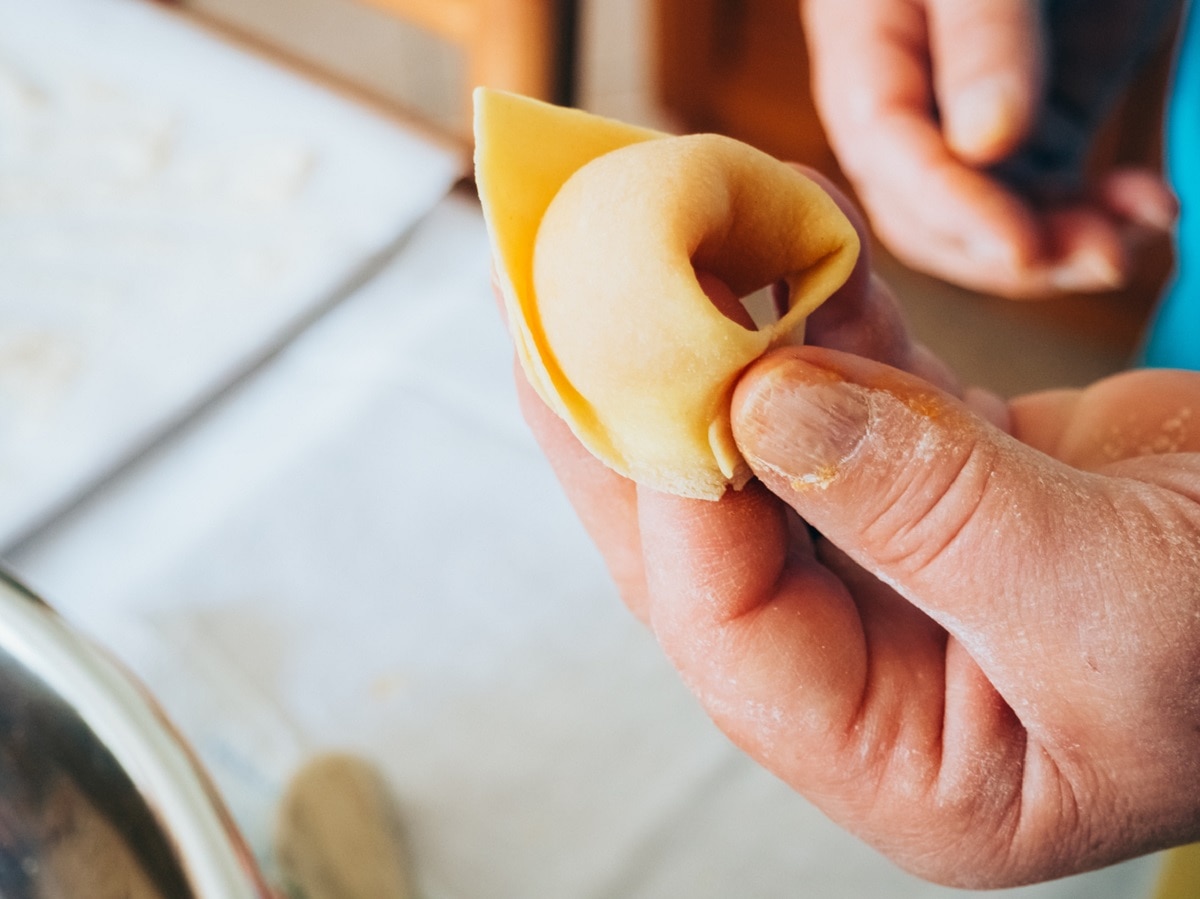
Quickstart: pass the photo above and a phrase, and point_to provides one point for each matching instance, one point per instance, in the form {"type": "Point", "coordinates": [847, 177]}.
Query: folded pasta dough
{"type": "Point", "coordinates": [598, 230]}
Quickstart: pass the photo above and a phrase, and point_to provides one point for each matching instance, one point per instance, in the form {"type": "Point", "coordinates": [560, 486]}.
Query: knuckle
{"type": "Point", "coordinates": [930, 518]}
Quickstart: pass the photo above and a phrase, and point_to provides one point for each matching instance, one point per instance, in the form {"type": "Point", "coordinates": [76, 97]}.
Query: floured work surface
{"type": "Point", "coordinates": [170, 209]}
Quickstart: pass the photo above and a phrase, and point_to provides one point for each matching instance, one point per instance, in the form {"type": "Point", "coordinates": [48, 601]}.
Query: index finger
{"type": "Point", "coordinates": [863, 316]}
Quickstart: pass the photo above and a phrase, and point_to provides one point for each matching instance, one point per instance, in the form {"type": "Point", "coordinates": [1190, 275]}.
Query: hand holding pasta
{"type": "Point", "coordinates": [603, 235]}
{"type": "Point", "coordinates": [968, 630]}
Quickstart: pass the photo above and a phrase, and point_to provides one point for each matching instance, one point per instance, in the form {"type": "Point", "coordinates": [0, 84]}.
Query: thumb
{"type": "Point", "coordinates": [963, 520]}
{"type": "Point", "coordinates": [988, 71]}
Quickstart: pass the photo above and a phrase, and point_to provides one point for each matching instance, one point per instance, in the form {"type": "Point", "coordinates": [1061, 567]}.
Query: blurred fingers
{"type": "Point", "coordinates": [988, 70]}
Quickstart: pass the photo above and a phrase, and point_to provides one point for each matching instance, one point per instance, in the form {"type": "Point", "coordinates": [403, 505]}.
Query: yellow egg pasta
{"type": "Point", "coordinates": [599, 230]}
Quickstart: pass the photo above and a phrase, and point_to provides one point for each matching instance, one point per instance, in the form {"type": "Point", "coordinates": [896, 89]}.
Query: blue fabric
{"type": "Point", "coordinates": [1173, 340]}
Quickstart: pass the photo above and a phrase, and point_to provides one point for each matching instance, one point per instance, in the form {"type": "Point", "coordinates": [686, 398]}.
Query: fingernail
{"type": "Point", "coordinates": [1090, 272]}
{"type": "Point", "coordinates": [801, 422]}
{"type": "Point", "coordinates": [1158, 214]}
{"type": "Point", "coordinates": [980, 117]}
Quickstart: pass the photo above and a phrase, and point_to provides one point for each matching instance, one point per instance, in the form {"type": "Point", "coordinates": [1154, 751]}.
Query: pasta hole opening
{"type": "Point", "coordinates": [767, 305]}
{"type": "Point", "coordinates": [755, 311]}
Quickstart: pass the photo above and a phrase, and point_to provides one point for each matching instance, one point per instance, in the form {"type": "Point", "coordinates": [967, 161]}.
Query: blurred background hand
{"type": "Point", "coordinates": [964, 126]}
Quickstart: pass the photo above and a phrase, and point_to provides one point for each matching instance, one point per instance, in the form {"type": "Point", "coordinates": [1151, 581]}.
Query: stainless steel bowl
{"type": "Point", "coordinates": [99, 795]}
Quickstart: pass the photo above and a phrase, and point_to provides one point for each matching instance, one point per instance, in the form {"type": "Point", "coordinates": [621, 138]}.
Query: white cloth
{"type": "Point", "coordinates": [170, 207]}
